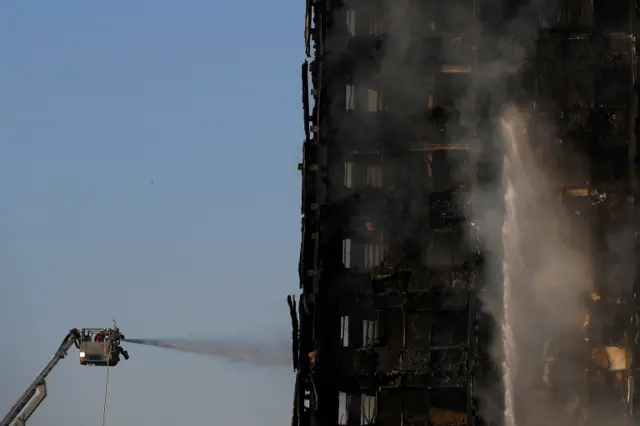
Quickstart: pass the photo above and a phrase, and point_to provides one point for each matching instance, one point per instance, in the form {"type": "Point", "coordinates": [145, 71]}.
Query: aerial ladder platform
{"type": "Point", "coordinates": [96, 347]}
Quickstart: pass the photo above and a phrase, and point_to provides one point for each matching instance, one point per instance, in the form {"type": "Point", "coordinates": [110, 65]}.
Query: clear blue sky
{"type": "Point", "coordinates": [99, 99]}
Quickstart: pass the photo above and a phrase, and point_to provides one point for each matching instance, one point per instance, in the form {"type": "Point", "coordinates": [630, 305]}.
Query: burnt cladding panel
{"type": "Point", "coordinates": [422, 17]}
{"type": "Point", "coordinates": [613, 15]}
{"type": "Point", "coordinates": [450, 168]}
{"type": "Point", "coordinates": [449, 329]}
{"type": "Point", "coordinates": [609, 123]}
{"type": "Point", "coordinates": [419, 330]}
{"type": "Point", "coordinates": [446, 250]}
{"type": "Point", "coordinates": [442, 407]}
{"type": "Point", "coordinates": [425, 329]}
{"type": "Point", "coordinates": [416, 406]}
{"type": "Point", "coordinates": [450, 89]}
{"type": "Point", "coordinates": [391, 328]}
{"type": "Point", "coordinates": [580, 88]}
{"type": "Point", "coordinates": [450, 289]}
{"type": "Point", "coordinates": [409, 173]}
{"type": "Point", "coordinates": [389, 408]}
{"type": "Point", "coordinates": [613, 85]}
{"type": "Point", "coordinates": [454, 16]}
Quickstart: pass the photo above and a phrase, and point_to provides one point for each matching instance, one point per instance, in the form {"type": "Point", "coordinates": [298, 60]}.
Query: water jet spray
{"type": "Point", "coordinates": [235, 351]}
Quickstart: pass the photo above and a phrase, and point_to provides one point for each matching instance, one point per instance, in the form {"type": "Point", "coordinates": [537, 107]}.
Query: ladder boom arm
{"type": "Point", "coordinates": [36, 392]}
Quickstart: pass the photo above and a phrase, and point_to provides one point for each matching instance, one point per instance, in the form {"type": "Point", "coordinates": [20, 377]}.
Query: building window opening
{"type": "Point", "coordinates": [374, 254]}
{"type": "Point", "coordinates": [374, 100]}
{"type": "Point", "coordinates": [350, 95]}
{"type": "Point", "coordinates": [369, 332]}
{"type": "Point", "coordinates": [373, 176]}
{"type": "Point", "coordinates": [346, 253]}
{"type": "Point", "coordinates": [348, 174]}
{"type": "Point", "coordinates": [344, 331]}
{"type": "Point", "coordinates": [343, 408]}
{"type": "Point", "coordinates": [368, 409]}
{"type": "Point", "coordinates": [351, 21]}
{"type": "Point", "coordinates": [376, 26]}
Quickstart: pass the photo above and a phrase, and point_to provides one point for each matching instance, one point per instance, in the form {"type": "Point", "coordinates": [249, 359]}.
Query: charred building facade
{"type": "Point", "coordinates": [390, 330]}
{"type": "Point", "coordinates": [400, 105]}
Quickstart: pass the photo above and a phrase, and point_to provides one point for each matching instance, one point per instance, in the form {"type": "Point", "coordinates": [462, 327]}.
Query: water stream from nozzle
{"type": "Point", "coordinates": [510, 266]}
{"type": "Point", "coordinates": [274, 354]}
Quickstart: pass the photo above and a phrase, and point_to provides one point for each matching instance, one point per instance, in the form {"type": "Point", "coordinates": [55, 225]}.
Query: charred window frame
{"type": "Point", "coordinates": [350, 16]}
{"type": "Point", "coordinates": [344, 401]}
{"type": "Point", "coordinates": [344, 331]}
{"type": "Point", "coordinates": [368, 409]}
{"type": "Point", "coordinates": [378, 24]}
{"type": "Point", "coordinates": [350, 96]}
{"type": "Point", "coordinates": [363, 97]}
{"type": "Point", "coordinates": [373, 175]}
{"type": "Point", "coordinates": [348, 174]}
{"type": "Point", "coordinates": [374, 252]}
{"type": "Point", "coordinates": [346, 252]}
{"type": "Point", "coordinates": [363, 171]}
{"type": "Point", "coordinates": [369, 332]}
{"type": "Point", "coordinates": [375, 99]}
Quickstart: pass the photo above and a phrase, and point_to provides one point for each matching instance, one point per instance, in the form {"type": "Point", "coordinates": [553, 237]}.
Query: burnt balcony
{"type": "Point", "coordinates": [447, 209]}
{"type": "Point", "coordinates": [583, 45]}
{"type": "Point", "coordinates": [409, 289]}
{"type": "Point", "coordinates": [439, 366]}
{"type": "Point", "coordinates": [433, 300]}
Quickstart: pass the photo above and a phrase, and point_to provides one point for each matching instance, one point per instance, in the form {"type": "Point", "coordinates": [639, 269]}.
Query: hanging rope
{"type": "Point", "coordinates": [106, 389]}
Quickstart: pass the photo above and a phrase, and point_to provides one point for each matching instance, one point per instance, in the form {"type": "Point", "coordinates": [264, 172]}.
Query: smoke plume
{"type": "Point", "coordinates": [276, 354]}
{"type": "Point", "coordinates": [547, 267]}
